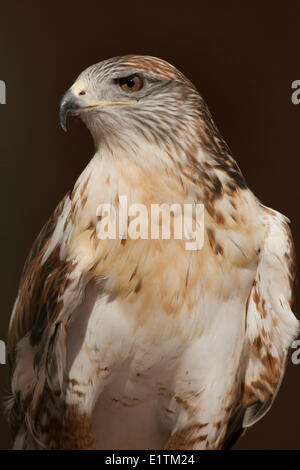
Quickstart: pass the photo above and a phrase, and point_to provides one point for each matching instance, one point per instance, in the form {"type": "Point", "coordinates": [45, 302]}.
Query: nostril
{"type": "Point", "coordinates": [82, 92]}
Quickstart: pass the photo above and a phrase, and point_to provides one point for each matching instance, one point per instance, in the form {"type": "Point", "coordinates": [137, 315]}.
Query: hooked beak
{"type": "Point", "coordinates": [74, 101]}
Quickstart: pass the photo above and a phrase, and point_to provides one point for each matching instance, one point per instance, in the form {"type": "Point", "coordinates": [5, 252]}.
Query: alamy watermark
{"type": "Point", "coordinates": [2, 352]}
{"type": "Point", "coordinates": [2, 92]}
{"type": "Point", "coordinates": [296, 354]}
{"type": "Point", "coordinates": [156, 221]}
{"type": "Point", "coordinates": [296, 94]}
{"type": "Point", "coordinates": [2, 343]}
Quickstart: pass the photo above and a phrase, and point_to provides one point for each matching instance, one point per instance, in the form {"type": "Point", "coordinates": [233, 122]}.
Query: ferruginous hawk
{"type": "Point", "coordinates": [123, 343]}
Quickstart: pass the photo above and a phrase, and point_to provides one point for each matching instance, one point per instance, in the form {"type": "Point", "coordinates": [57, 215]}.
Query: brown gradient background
{"type": "Point", "coordinates": [243, 60]}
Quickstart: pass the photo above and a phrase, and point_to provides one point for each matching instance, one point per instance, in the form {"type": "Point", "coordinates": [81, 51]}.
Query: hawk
{"type": "Point", "coordinates": [138, 343]}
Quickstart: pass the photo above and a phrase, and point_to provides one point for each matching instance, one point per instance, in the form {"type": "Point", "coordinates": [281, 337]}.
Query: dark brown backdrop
{"type": "Point", "coordinates": [243, 60]}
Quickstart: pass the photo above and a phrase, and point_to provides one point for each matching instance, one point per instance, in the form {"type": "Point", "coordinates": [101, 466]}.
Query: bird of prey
{"type": "Point", "coordinates": [123, 343]}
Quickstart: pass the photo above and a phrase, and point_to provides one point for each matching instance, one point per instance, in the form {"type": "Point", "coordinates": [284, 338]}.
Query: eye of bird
{"type": "Point", "coordinates": [131, 84]}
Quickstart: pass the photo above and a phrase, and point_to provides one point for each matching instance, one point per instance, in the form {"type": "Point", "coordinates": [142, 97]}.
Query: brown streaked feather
{"type": "Point", "coordinates": [46, 293]}
{"type": "Point", "coordinates": [37, 294]}
{"type": "Point", "coordinates": [268, 313]}
{"type": "Point", "coordinates": [187, 438]}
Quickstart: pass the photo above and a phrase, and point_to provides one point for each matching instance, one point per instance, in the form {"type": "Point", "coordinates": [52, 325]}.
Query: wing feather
{"type": "Point", "coordinates": [51, 287]}
{"type": "Point", "coordinates": [271, 325]}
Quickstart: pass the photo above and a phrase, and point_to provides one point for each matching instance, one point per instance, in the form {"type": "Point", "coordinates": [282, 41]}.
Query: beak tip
{"type": "Point", "coordinates": [63, 117]}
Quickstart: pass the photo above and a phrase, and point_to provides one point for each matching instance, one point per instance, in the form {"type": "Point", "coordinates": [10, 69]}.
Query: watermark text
{"type": "Point", "coordinates": [2, 92]}
{"type": "Point", "coordinates": [157, 221]}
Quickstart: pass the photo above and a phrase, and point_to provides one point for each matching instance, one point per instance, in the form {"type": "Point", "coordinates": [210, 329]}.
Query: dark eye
{"type": "Point", "coordinates": [131, 84]}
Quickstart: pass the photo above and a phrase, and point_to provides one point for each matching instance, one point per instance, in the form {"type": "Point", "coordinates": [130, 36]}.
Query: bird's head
{"type": "Point", "coordinates": [126, 99]}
